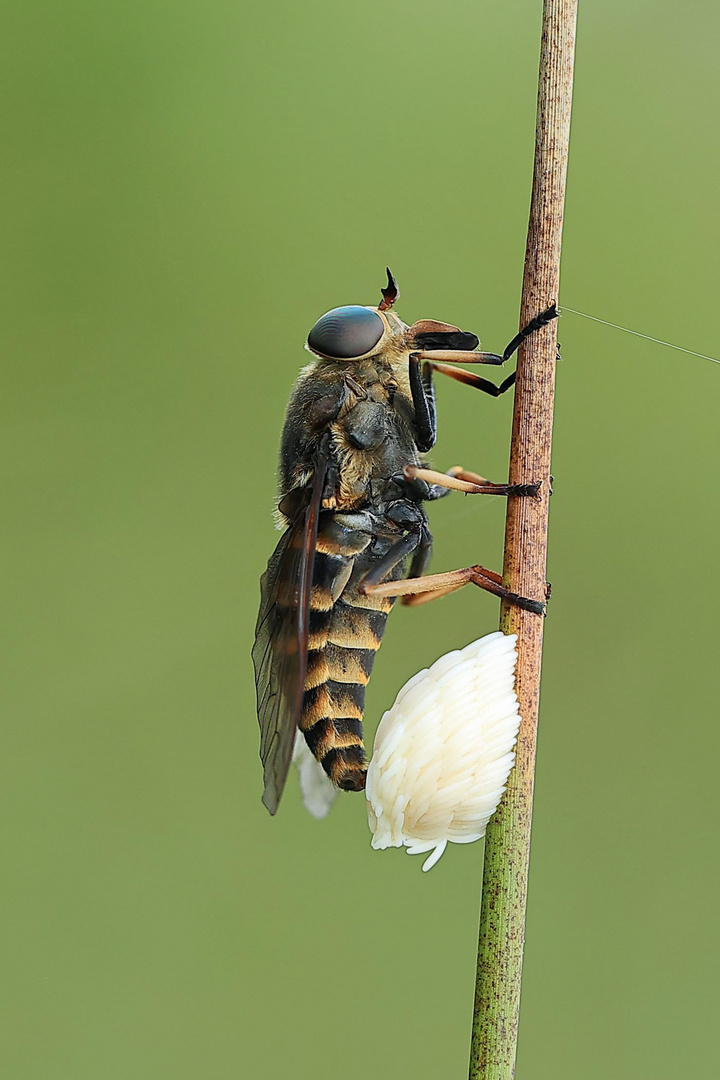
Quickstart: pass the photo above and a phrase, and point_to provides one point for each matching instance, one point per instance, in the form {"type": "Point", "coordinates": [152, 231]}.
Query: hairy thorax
{"type": "Point", "coordinates": [371, 436]}
{"type": "Point", "coordinates": [366, 406]}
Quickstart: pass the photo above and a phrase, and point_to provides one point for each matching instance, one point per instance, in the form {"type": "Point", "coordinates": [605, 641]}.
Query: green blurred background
{"type": "Point", "coordinates": [188, 186]}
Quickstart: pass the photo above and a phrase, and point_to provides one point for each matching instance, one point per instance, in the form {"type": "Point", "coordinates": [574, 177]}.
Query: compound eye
{"type": "Point", "coordinates": [346, 332]}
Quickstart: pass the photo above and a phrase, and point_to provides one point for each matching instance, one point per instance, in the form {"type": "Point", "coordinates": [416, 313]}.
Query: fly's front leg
{"type": "Point", "coordinates": [475, 381]}
{"type": "Point", "coordinates": [421, 385]}
{"type": "Point", "coordinates": [468, 356]}
{"type": "Point", "coordinates": [543, 319]}
{"type": "Point", "coordinates": [460, 356]}
{"type": "Point", "coordinates": [437, 357]}
{"type": "Point", "coordinates": [423, 397]}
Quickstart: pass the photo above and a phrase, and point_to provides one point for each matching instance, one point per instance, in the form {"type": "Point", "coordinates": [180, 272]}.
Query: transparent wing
{"type": "Point", "coordinates": [281, 636]}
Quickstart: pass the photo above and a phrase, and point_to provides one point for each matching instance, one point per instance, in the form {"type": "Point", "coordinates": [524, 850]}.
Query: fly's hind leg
{"type": "Point", "coordinates": [420, 589]}
{"type": "Point", "coordinates": [415, 599]}
{"type": "Point", "coordinates": [443, 584]}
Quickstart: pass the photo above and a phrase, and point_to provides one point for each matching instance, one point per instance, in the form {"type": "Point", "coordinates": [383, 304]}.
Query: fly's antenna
{"type": "Point", "coordinates": [390, 294]}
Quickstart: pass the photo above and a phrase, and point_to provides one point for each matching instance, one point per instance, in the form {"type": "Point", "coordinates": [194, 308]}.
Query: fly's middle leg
{"type": "Point", "coordinates": [458, 479]}
{"type": "Point", "coordinates": [416, 540]}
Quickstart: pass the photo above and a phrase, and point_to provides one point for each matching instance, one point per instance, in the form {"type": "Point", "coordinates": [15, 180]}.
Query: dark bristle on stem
{"type": "Point", "coordinates": [507, 842]}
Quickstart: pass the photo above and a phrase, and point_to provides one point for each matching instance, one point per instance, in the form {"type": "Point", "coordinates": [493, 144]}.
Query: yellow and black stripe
{"type": "Point", "coordinates": [346, 630]}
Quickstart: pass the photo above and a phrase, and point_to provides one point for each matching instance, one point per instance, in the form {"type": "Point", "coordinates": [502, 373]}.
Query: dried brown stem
{"type": "Point", "coordinates": [507, 845]}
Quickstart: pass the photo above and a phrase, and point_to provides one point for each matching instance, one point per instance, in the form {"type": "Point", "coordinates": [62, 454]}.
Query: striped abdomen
{"type": "Point", "coordinates": [346, 630]}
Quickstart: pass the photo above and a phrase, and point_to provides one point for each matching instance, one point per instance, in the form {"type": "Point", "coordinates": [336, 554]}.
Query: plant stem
{"type": "Point", "coordinates": [507, 844]}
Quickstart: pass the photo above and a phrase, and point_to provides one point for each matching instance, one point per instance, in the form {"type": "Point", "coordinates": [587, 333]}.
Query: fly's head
{"type": "Point", "coordinates": [353, 333]}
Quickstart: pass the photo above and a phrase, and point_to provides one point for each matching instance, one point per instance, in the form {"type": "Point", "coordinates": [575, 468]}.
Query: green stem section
{"type": "Point", "coordinates": [502, 924]}
{"type": "Point", "coordinates": [507, 844]}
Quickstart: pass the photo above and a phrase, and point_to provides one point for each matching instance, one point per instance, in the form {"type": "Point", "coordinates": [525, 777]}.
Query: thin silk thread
{"type": "Point", "coordinates": [635, 333]}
